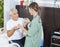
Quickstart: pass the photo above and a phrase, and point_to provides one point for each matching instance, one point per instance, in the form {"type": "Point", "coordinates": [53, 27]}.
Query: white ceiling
{"type": "Point", "coordinates": [48, 3]}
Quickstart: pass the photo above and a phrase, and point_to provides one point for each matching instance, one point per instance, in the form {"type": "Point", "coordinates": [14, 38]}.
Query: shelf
{"type": "Point", "coordinates": [55, 44]}
{"type": "Point", "coordinates": [54, 36]}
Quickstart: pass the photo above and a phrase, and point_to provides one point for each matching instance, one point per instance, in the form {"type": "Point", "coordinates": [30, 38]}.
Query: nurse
{"type": "Point", "coordinates": [34, 33]}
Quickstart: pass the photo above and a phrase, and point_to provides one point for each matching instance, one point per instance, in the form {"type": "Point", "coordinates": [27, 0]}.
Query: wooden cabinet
{"type": "Point", "coordinates": [51, 22]}
{"type": "Point", "coordinates": [55, 41]}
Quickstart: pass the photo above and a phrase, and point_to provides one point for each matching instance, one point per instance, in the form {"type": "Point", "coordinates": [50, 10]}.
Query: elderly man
{"type": "Point", "coordinates": [14, 32]}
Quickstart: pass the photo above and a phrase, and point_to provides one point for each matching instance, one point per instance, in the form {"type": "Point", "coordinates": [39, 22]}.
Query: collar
{"type": "Point", "coordinates": [35, 14]}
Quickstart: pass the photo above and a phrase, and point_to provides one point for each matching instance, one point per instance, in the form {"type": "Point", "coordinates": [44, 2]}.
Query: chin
{"type": "Point", "coordinates": [16, 18]}
{"type": "Point", "coordinates": [31, 14]}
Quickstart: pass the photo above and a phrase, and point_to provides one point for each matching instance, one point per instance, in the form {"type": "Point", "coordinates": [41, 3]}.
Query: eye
{"type": "Point", "coordinates": [15, 13]}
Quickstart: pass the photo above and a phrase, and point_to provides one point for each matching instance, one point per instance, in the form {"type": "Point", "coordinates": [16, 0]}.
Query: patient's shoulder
{"type": "Point", "coordinates": [21, 18]}
{"type": "Point", "coordinates": [9, 21]}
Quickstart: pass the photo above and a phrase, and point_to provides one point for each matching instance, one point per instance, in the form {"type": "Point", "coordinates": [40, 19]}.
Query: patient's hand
{"type": "Point", "coordinates": [19, 26]}
{"type": "Point", "coordinates": [15, 28]}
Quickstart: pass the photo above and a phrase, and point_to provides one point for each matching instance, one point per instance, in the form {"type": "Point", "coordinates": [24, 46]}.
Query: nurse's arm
{"type": "Point", "coordinates": [25, 31]}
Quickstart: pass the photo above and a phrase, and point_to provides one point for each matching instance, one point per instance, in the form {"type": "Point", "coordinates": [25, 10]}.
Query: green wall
{"type": "Point", "coordinates": [1, 13]}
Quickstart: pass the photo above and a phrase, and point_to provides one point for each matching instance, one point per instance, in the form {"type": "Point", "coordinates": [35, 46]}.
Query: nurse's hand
{"type": "Point", "coordinates": [26, 22]}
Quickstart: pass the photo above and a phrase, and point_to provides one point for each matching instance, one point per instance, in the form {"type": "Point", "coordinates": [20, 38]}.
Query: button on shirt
{"type": "Point", "coordinates": [18, 34]}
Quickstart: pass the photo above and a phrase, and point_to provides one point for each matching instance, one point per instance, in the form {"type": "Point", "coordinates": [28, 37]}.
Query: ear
{"type": "Point", "coordinates": [32, 9]}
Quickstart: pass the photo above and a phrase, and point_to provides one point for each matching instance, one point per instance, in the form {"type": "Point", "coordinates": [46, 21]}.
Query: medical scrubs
{"type": "Point", "coordinates": [34, 34]}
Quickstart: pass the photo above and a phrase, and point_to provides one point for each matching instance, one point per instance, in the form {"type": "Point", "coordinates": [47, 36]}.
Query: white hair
{"type": "Point", "coordinates": [13, 10]}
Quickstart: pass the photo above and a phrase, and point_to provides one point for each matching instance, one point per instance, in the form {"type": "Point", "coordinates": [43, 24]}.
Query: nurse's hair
{"type": "Point", "coordinates": [13, 10]}
{"type": "Point", "coordinates": [34, 6]}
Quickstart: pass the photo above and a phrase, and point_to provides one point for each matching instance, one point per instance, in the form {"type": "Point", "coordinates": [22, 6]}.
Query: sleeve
{"type": "Point", "coordinates": [33, 29]}
{"type": "Point", "coordinates": [8, 26]}
{"type": "Point", "coordinates": [41, 30]}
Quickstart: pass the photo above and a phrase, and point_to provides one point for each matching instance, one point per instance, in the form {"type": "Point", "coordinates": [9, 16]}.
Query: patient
{"type": "Point", "coordinates": [14, 32]}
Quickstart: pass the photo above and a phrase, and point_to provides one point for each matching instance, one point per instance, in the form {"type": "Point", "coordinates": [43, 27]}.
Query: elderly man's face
{"type": "Point", "coordinates": [14, 15]}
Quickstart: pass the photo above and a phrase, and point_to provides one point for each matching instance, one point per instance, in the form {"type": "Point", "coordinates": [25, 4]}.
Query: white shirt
{"type": "Point", "coordinates": [18, 34]}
